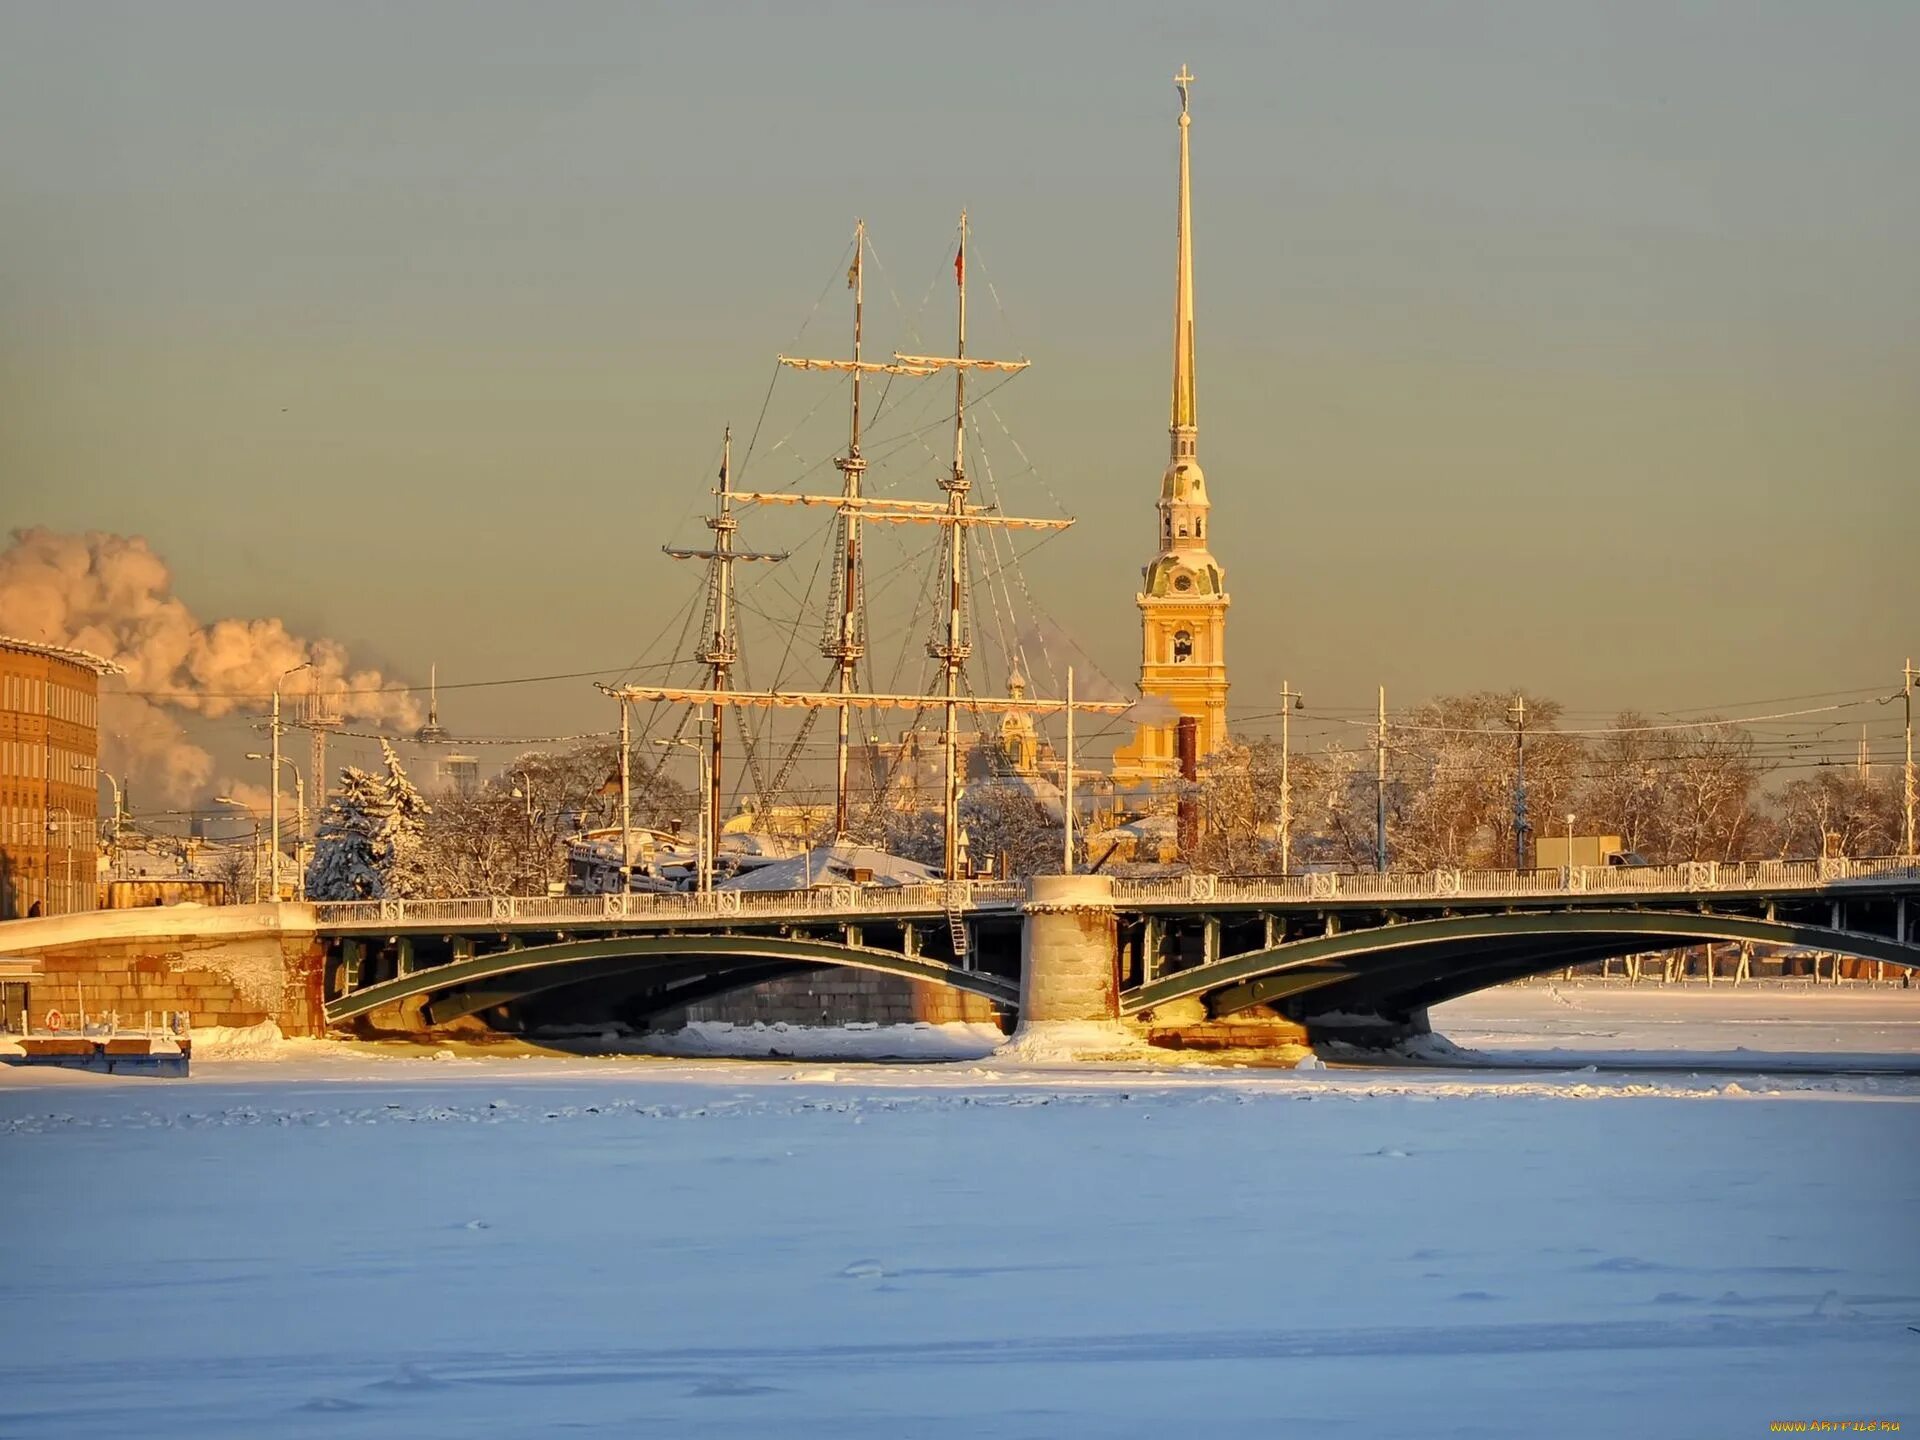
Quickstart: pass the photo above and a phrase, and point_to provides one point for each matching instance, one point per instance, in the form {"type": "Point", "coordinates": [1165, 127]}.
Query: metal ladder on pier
{"type": "Point", "coordinates": [957, 920]}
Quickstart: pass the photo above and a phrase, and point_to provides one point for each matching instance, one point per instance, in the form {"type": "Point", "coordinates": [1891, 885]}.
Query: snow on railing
{"type": "Point", "coordinates": [1191, 889]}
{"type": "Point", "coordinates": [1692, 875]}
{"type": "Point", "coordinates": [824, 900]}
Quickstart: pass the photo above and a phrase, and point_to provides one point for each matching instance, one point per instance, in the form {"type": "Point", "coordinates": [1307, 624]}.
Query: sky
{"type": "Point", "coordinates": [1566, 346]}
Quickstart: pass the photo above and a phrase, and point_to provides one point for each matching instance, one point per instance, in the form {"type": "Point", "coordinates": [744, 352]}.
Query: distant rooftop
{"type": "Point", "coordinates": [99, 664]}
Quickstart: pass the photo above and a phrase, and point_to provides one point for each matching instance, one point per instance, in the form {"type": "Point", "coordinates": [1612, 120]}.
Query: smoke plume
{"type": "Point", "coordinates": [112, 595]}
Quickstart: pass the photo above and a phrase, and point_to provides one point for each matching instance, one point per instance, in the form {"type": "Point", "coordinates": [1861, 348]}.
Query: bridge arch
{"type": "Point", "coordinates": [1411, 964]}
{"type": "Point", "coordinates": [697, 966]}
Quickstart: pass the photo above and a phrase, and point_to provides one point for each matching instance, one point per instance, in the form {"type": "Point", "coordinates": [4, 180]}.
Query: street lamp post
{"type": "Point", "coordinates": [703, 854]}
{"type": "Point", "coordinates": [299, 822]}
{"type": "Point", "coordinates": [1569, 849]}
{"type": "Point", "coordinates": [119, 868]}
{"type": "Point", "coordinates": [1290, 701]}
{"type": "Point", "coordinates": [1066, 810]}
{"type": "Point", "coordinates": [273, 864]}
{"type": "Point", "coordinates": [523, 792]}
{"type": "Point", "coordinates": [66, 893]}
{"type": "Point", "coordinates": [1911, 678]}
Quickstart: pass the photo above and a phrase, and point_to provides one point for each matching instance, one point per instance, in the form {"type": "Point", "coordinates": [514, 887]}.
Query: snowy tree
{"type": "Point", "coordinates": [1712, 776]}
{"type": "Point", "coordinates": [1238, 800]}
{"type": "Point", "coordinates": [400, 845]}
{"type": "Point", "coordinates": [1451, 771]}
{"type": "Point", "coordinates": [347, 845]}
{"type": "Point", "coordinates": [1672, 795]}
{"type": "Point", "coordinates": [1007, 824]}
{"type": "Point", "coordinates": [481, 844]}
{"type": "Point", "coordinates": [1333, 808]}
{"type": "Point", "coordinates": [1010, 825]}
{"type": "Point", "coordinates": [1861, 814]}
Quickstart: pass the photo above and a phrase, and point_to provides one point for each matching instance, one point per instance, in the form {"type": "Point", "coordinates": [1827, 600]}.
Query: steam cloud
{"type": "Point", "coordinates": [112, 595]}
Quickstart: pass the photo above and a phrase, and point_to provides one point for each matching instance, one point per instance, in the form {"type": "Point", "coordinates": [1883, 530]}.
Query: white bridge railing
{"type": "Point", "coordinates": [825, 901]}
{"type": "Point", "coordinates": [854, 901]}
{"type": "Point", "coordinates": [1692, 875]}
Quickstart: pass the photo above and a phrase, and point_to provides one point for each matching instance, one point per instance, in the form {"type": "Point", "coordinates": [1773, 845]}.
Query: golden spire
{"type": "Point", "coordinates": [1186, 408]}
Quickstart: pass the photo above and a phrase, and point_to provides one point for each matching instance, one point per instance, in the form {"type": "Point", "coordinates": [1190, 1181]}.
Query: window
{"type": "Point", "coordinates": [1182, 647]}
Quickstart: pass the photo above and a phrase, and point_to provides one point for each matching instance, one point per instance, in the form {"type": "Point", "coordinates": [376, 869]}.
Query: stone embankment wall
{"type": "Point", "coordinates": [841, 997]}
{"type": "Point", "coordinates": [248, 971]}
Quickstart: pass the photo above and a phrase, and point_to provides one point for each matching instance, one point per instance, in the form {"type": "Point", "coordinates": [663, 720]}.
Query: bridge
{"type": "Point", "coordinates": [1353, 956]}
{"type": "Point", "coordinates": [1368, 954]}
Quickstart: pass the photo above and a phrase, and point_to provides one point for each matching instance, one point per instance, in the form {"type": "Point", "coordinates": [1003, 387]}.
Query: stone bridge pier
{"type": "Point", "coordinates": [1073, 962]}
{"type": "Point", "coordinates": [1069, 952]}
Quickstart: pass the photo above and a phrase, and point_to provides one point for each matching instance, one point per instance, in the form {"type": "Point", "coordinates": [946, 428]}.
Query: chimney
{"type": "Point", "coordinates": [1189, 812]}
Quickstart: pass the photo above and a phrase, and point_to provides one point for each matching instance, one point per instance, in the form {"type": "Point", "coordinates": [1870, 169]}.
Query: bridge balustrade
{"type": "Point", "coordinates": [822, 900]}
{"type": "Point", "coordinates": [1190, 889]}
{"type": "Point", "coordinates": [1692, 875]}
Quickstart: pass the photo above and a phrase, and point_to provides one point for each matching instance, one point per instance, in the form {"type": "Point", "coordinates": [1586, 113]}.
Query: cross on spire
{"type": "Point", "coordinates": [1182, 81]}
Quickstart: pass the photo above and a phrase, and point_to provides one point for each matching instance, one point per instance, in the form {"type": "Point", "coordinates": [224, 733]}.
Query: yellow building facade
{"type": "Point", "coordinates": [49, 778]}
{"type": "Point", "coordinates": [1183, 598]}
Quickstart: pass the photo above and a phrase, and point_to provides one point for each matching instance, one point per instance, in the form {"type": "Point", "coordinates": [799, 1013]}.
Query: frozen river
{"type": "Point", "coordinates": [350, 1244]}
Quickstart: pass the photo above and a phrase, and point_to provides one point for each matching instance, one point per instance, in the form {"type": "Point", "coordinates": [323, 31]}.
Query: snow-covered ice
{"type": "Point", "coordinates": [1770, 1025]}
{"type": "Point", "coordinates": [342, 1242]}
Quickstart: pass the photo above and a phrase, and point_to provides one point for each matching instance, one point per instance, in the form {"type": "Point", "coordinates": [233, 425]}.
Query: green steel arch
{"type": "Point", "coordinates": [1571, 936]}
{"type": "Point", "coordinates": [588, 957]}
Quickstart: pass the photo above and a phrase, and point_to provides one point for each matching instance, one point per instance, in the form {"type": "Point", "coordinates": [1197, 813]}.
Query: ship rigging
{"type": "Point", "coordinates": [845, 640]}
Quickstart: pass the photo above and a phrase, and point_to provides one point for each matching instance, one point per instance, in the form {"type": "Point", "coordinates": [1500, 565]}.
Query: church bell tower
{"type": "Point", "coordinates": [1183, 600]}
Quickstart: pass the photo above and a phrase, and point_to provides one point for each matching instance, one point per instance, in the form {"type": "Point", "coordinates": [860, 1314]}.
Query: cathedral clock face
{"type": "Point", "coordinates": [1183, 583]}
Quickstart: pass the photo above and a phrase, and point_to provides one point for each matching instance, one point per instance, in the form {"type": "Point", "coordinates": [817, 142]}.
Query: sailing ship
{"type": "Point", "coordinates": [844, 645]}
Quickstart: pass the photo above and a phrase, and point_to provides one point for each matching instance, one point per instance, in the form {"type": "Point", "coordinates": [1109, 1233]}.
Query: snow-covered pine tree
{"type": "Point", "coordinates": [346, 862]}
{"type": "Point", "coordinates": [401, 848]}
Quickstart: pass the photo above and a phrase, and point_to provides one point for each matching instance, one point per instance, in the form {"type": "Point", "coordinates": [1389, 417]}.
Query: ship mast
{"type": "Point", "coordinates": [952, 648]}
{"type": "Point", "coordinates": [845, 643]}
{"type": "Point", "coordinates": [952, 653]}
{"type": "Point", "coordinates": [722, 647]}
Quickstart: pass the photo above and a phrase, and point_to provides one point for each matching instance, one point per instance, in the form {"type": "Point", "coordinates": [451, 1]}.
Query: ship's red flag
{"type": "Point", "coordinates": [960, 266]}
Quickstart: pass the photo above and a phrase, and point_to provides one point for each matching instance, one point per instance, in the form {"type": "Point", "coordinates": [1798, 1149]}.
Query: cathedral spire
{"type": "Point", "coordinates": [1186, 409]}
{"type": "Point", "coordinates": [1183, 594]}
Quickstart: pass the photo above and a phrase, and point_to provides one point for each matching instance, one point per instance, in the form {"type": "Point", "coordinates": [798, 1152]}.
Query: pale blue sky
{"type": "Point", "coordinates": [1567, 345]}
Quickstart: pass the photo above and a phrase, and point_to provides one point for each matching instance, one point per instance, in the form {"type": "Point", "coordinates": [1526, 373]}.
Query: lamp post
{"type": "Point", "coordinates": [299, 823]}
{"type": "Point", "coordinates": [255, 847]}
{"type": "Point", "coordinates": [66, 893]}
{"type": "Point", "coordinates": [1569, 849]}
{"type": "Point", "coordinates": [703, 853]}
{"type": "Point", "coordinates": [274, 862]}
{"type": "Point", "coordinates": [523, 792]}
{"type": "Point", "coordinates": [118, 867]}
{"type": "Point", "coordinates": [1290, 701]}
{"type": "Point", "coordinates": [1066, 810]}
{"type": "Point", "coordinates": [1911, 678]}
